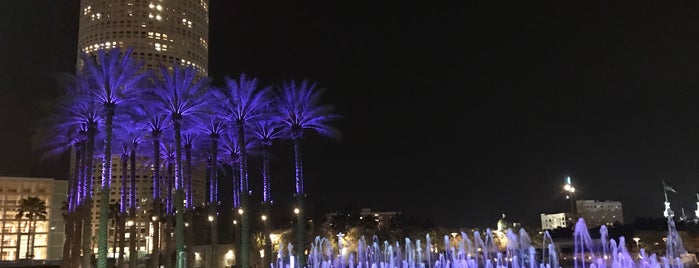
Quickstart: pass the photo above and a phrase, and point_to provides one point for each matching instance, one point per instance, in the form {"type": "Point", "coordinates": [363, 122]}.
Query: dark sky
{"type": "Point", "coordinates": [455, 112]}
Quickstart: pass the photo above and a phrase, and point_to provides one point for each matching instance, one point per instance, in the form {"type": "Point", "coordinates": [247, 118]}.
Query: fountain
{"type": "Point", "coordinates": [482, 252]}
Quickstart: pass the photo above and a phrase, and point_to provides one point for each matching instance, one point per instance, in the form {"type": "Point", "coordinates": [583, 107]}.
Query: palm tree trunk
{"type": "Point", "coordinates": [122, 239]}
{"type": "Point", "coordinates": [88, 183]}
{"type": "Point", "coordinates": [190, 206]}
{"type": "Point", "coordinates": [213, 199]}
{"type": "Point", "coordinates": [29, 240]}
{"type": "Point", "coordinates": [179, 197]}
{"type": "Point", "coordinates": [168, 218]}
{"type": "Point", "coordinates": [68, 243]}
{"type": "Point", "coordinates": [236, 204]}
{"type": "Point", "coordinates": [266, 202]}
{"type": "Point", "coordinates": [106, 181]}
{"type": "Point", "coordinates": [122, 209]}
{"type": "Point", "coordinates": [244, 200]}
{"type": "Point", "coordinates": [155, 255]}
{"type": "Point", "coordinates": [300, 220]}
{"type": "Point", "coordinates": [133, 253]}
{"type": "Point", "coordinates": [116, 232]}
{"type": "Point", "coordinates": [77, 232]}
{"type": "Point", "coordinates": [19, 238]}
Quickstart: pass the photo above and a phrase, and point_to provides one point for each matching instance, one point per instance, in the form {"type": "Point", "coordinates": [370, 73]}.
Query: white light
{"type": "Point", "coordinates": [240, 211]}
{"type": "Point", "coordinates": [151, 5]}
{"type": "Point", "coordinates": [158, 17]}
{"type": "Point", "coordinates": [235, 222]}
{"type": "Point", "coordinates": [264, 217]}
{"type": "Point", "coordinates": [159, 7]}
{"type": "Point", "coordinates": [211, 218]}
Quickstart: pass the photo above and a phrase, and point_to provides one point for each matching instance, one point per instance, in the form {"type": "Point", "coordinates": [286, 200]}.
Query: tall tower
{"type": "Point", "coordinates": [160, 31]}
{"type": "Point", "coordinates": [163, 32]}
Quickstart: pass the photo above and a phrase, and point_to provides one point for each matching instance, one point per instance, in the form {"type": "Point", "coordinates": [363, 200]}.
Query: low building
{"type": "Point", "coordinates": [556, 220]}
{"type": "Point", "coordinates": [598, 213]}
{"type": "Point", "coordinates": [16, 234]}
{"type": "Point", "coordinates": [382, 218]}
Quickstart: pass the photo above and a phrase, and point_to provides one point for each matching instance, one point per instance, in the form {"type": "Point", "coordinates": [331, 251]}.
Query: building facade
{"type": "Point", "coordinates": [597, 213]}
{"type": "Point", "coordinates": [161, 32]}
{"type": "Point", "coordinates": [48, 235]}
{"type": "Point", "coordinates": [555, 220]}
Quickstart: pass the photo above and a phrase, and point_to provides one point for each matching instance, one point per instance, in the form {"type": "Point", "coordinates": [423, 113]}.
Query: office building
{"type": "Point", "coordinates": [16, 234]}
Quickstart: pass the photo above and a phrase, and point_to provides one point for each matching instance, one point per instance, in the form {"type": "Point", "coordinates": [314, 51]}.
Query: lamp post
{"type": "Point", "coordinates": [570, 194]}
{"type": "Point", "coordinates": [637, 245]}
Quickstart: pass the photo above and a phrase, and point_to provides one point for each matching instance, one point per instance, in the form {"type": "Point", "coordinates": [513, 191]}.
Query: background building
{"type": "Point", "coordinates": [597, 213]}
{"type": "Point", "coordinates": [49, 234]}
{"type": "Point", "coordinates": [555, 220]}
{"type": "Point", "coordinates": [159, 31]}
{"type": "Point", "coordinates": [163, 32]}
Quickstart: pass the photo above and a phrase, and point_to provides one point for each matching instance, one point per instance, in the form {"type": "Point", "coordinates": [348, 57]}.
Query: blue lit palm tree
{"type": "Point", "coordinates": [77, 109]}
{"type": "Point", "coordinates": [244, 103]}
{"type": "Point", "coordinates": [211, 125]}
{"type": "Point", "coordinates": [298, 109]}
{"type": "Point", "coordinates": [180, 96]}
{"type": "Point", "coordinates": [265, 131]}
{"type": "Point", "coordinates": [115, 76]}
{"type": "Point", "coordinates": [155, 126]}
{"type": "Point", "coordinates": [130, 133]}
{"type": "Point", "coordinates": [56, 135]}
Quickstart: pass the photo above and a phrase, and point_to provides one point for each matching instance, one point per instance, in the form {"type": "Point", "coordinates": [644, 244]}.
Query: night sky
{"type": "Point", "coordinates": [454, 112]}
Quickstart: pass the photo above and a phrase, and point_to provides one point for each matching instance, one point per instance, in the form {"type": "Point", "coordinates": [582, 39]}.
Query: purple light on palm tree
{"type": "Point", "coordinates": [244, 102]}
{"type": "Point", "coordinates": [299, 108]}
{"type": "Point", "coordinates": [266, 131]}
{"type": "Point", "coordinates": [213, 129]}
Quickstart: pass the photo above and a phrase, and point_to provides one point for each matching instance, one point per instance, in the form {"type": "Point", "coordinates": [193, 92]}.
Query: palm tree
{"type": "Point", "coordinates": [54, 138]}
{"type": "Point", "coordinates": [155, 124]}
{"type": "Point", "coordinates": [78, 115]}
{"type": "Point", "coordinates": [298, 109]}
{"type": "Point", "coordinates": [244, 103]}
{"type": "Point", "coordinates": [129, 133]}
{"type": "Point", "coordinates": [211, 124]}
{"type": "Point", "coordinates": [266, 131]}
{"type": "Point", "coordinates": [115, 77]}
{"type": "Point", "coordinates": [33, 209]}
{"type": "Point", "coordinates": [189, 140]}
{"type": "Point", "coordinates": [180, 96]}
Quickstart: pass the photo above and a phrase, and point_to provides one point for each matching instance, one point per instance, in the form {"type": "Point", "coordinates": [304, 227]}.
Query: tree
{"type": "Point", "coordinates": [211, 125]}
{"type": "Point", "coordinates": [299, 109]}
{"type": "Point", "coordinates": [33, 209]}
{"type": "Point", "coordinates": [74, 126]}
{"type": "Point", "coordinates": [266, 131]}
{"type": "Point", "coordinates": [244, 103]}
{"type": "Point", "coordinates": [115, 76]}
{"type": "Point", "coordinates": [180, 96]}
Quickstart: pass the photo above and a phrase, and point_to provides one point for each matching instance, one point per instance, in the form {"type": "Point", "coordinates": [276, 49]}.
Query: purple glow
{"type": "Point", "coordinates": [266, 131]}
{"type": "Point", "coordinates": [132, 188]}
{"type": "Point", "coordinates": [124, 176]}
{"type": "Point", "coordinates": [299, 109]}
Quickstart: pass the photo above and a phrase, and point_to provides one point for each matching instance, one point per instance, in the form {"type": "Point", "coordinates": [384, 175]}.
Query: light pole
{"type": "Point", "coordinates": [570, 194]}
{"type": "Point", "coordinates": [637, 245]}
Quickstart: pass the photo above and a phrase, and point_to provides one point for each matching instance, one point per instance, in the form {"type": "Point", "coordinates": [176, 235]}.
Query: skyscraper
{"type": "Point", "coordinates": [163, 32]}
{"type": "Point", "coordinates": [160, 31]}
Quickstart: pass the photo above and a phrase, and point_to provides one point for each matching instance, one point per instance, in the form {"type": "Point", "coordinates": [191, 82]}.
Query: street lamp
{"type": "Point", "coordinates": [211, 218]}
{"type": "Point", "coordinates": [637, 239]}
{"type": "Point", "coordinates": [297, 211]}
{"type": "Point", "coordinates": [570, 194]}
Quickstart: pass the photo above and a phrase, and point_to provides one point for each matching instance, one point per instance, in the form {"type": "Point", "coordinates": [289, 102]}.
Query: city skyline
{"type": "Point", "coordinates": [438, 114]}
